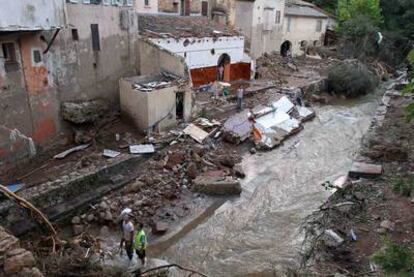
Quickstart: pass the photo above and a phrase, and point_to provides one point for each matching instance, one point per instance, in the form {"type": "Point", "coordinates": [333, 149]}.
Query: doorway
{"type": "Point", "coordinates": [223, 68]}
{"type": "Point", "coordinates": [286, 48]}
{"type": "Point", "coordinates": [179, 105]}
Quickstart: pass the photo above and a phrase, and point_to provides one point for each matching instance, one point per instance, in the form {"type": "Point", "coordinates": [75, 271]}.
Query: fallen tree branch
{"type": "Point", "coordinates": [25, 204]}
{"type": "Point", "coordinates": [166, 267]}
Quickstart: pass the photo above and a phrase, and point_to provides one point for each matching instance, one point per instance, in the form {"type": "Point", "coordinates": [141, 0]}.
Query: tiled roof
{"type": "Point", "coordinates": [302, 8]}
{"type": "Point", "coordinates": [166, 26]}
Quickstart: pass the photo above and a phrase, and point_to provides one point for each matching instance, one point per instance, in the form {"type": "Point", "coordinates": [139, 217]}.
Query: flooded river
{"type": "Point", "coordinates": [258, 232]}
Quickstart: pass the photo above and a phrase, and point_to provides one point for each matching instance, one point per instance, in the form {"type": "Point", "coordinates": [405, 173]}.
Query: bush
{"type": "Point", "coordinates": [404, 187]}
{"type": "Point", "coordinates": [395, 259]}
{"type": "Point", "coordinates": [358, 38]}
{"type": "Point", "coordinates": [351, 78]}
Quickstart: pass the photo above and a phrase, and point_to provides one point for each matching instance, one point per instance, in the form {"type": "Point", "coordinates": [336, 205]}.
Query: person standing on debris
{"type": "Point", "coordinates": [298, 98]}
{"type": "Point", "coordinates": [140, 243]}
{"type": "Point", "coordinates": [127, 235]}
{"type": "Point", "coordinates": [240, 94]}
{"type": "Point", "coordinates": [220, 72]}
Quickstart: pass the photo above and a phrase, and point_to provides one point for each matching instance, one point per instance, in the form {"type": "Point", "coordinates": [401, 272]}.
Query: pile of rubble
{"type": "Point", "coordinates": [270, 66]}
{"type": "Point", "coordinates": [15, 261]}
{"type": "Point", "coordinates": [268, 125]}
{"type": "Point", "coordinates": [165, 80]}
{"type": "Point", "coordinates": [193, 161]}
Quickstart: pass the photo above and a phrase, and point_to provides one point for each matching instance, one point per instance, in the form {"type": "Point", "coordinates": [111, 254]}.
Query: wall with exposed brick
{"type": "Point", "coordinates": [175, 6]}
{"type": "Point", "coordinates": [82, 73]}
{"type": "Point", "coordinates": [28, 102]}
{"type": "Point", "coordinates": [33, 86]}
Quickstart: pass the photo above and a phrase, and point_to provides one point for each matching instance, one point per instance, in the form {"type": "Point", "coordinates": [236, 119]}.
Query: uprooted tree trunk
{"type": "Point", "coordinates": [27, 205]}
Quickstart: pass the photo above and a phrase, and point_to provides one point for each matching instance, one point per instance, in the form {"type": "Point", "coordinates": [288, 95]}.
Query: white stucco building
{"type": "Point", "coordinates": [267, 24]}
{"type": "Point", "coordinates": [203, 44]}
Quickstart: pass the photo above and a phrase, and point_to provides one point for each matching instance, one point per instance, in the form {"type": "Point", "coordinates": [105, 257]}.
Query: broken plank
{"type": "Point", "coordinates": [70, 151]}
{"type": "Point", "coordinates": [141, 149]}
{"type": "Point", "coordinates": [196, 133]}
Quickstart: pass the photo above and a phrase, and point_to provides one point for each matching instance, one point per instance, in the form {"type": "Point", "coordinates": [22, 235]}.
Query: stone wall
{"type": "Point", "coordinates": [28, 97]}
{"type": "Point", "coordinates": [33, 84]}
{"type": "Point", "coordinates": [15, 261]}
{"type": "Point", "coordinates": [174, 6]}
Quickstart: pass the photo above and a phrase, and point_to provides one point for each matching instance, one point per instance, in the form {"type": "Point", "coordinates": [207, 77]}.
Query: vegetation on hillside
{"type": "Point", "coordinates": [395, 259]}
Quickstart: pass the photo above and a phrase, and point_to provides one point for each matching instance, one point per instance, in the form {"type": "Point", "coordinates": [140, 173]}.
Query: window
{"type": "Point", "coordinates": [86, 1]}
{"type": "Point", "coordinates": [319, 25]}
{"type": "Point", "coordinates": [75, 35]}
{"type": "Point", "coordinates": [204, 8]}
{"type": "Point", "coordinates": [289, 23]}
{"type": "Point", "coordinates": [9, 52]}
{"type": "Point", "coordinates": [37, 58]}
{"type": "Point", "coordinates": [129, 2]}
{"type": "Point", "coordinates": [267, 19]}
{"type": "Point", "coordinates": [10, 58]}
{"type": "Point", "coordinates": [146, 2]}
{"type": "Point", "coordinates": [96, 46]}
{"type": "Point", "coordinates": [106, 2]}
{"type": "Point", "coordinates": [277, 19]}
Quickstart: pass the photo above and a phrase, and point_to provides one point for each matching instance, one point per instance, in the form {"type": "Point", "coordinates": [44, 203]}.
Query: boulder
{"type": "Point", "coordinates": [76, 220]}
{"type": "Point", "coordinates": [226, 160]}
{"type": "Point", "coordinates": [134, 187]}
{"type": "Point", "coordinates": [192, 171]}
{"type": "Point", "coordinates": [217, 185]}
{"type": "Point", "coordinates": [90, 218]}
{"type": "Point", "coordinates": [31, 272]}
{"type": "Point", "coordinates": [239, 171]}
{"type": "Point", "coordinates": [104, 231]}
{"type": "Point", "coordinates": [16, 260]}
{"type": "Point", "coordinates": [78, 229]}
{"type": "Point", "coordinates": [174, 159]}
{"type": "Point", "coordinates": [84, 111]}
{"type": "Point", "coordinates": [365, 170]}
{"type": "Point", "coordinates": [159, 228]}
{"type": "Point", "coordinates": [82, 136]}
{"type": "Point", "coordinates": [7, 242]}
{"type": "Point", "coordinates": [387, 225]}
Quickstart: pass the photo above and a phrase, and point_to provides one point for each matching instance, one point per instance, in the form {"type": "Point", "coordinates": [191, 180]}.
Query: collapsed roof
{"type": "Point", "coordinates": [172, 26]}
{"type": "Point", "coordinates": [302, 8]}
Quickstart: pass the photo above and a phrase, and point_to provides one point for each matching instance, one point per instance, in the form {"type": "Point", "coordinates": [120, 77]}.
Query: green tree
{"type": "Point", "coordinates": [399, 16]}
{"type": "Point", "coordinates": [327, 5]}
{"type": "Point", "coordinates": [410, 87]}
{"type": "Point", "coordinates": [348, 9]}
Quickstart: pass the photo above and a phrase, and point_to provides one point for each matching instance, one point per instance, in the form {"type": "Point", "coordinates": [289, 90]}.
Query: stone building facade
{"type": "Point", "coordinates": [57, 51]}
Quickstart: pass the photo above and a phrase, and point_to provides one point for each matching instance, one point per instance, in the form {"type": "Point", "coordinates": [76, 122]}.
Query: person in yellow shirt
{"type": "Point", "coordinates": [140, 243]}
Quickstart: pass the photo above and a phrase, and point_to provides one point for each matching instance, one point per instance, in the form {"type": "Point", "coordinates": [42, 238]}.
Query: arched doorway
{"type": "Point", "coordinates": [286, 48]}
{"type": "Point", "coordinates": [223, 67]}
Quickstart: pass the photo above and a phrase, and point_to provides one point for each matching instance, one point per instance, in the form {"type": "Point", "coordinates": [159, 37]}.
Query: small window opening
{"type": "Point", "coordinates": [179, 105]}
{"type": "Point", "coordinates": [36, 57]}
{"type": "Point", "coordinates": [146, 2]}
{"type": "Point", "coordinates": [75, 35]}
{"type": "Point", "coordinates": [96, 46]}
{"type": "Point", "coordinates": [213, 51]}
{"type": "Point", "coordinates": [10, 59]}
{"type": "Point", "coordinates": [186, 43]}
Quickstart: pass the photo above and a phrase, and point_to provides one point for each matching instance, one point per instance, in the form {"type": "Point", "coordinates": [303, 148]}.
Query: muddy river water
{"type": "Point", "coordinates": [259, 232]}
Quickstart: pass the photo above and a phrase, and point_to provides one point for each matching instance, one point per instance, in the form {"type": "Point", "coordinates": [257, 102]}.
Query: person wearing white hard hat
{"type": "Point", "coordinates": [127, 239]}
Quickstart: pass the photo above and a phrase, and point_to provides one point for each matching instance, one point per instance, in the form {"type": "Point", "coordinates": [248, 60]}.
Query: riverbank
{"type": "Point", "coordinates": [380, 212]}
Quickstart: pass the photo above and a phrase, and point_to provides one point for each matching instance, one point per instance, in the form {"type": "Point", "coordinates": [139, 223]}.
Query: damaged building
{"type": "Point", "coordinates": [273, 25]}
{"type": "Point", "coordinates": [28, 94]}
{"type": "Point", "coordinates": [204, 45]}
{"type": "Point", "coordinates": [183, 7]}
{"type": "Point", "coordinates": [57, 51]}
